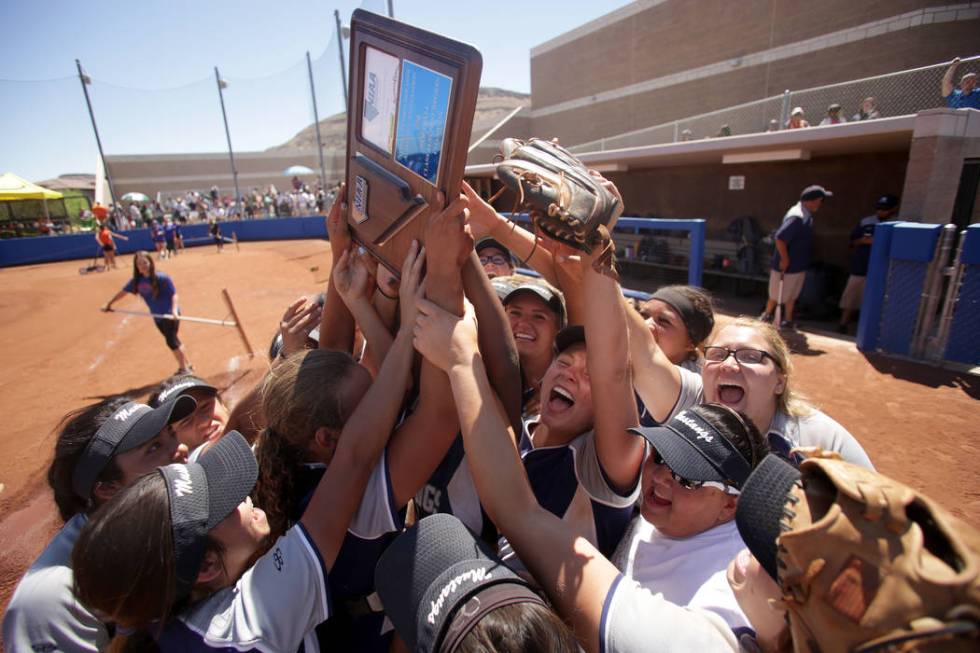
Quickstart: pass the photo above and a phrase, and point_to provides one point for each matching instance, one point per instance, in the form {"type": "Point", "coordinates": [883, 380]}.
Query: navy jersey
{"type": "Point", "coordinates": [568, 481]}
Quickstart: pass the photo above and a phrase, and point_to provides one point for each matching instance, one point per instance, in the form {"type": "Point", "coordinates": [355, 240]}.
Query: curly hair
{"type": "Point", "coordinates": [300, 395]}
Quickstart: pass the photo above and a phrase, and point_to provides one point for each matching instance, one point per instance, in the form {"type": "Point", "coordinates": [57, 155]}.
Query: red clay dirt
{"type": "Point", "coordinates": [918, 424]}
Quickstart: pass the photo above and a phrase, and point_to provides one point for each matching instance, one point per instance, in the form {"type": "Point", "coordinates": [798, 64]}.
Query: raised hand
{"type": "Point", "coordinates": [447, 239]}
{"type": "Point", "coordinates": [353, 279]}
{"type": "Point", "coordinates": [297, 322]}
{"type": "Point", "coordinates": [482, 216]}
{"type": "Point", "coordinates": [337, 228]}
{"type": "Point", "coordinates": [412, 288]}
{"type": "Point", "coordinates": [445, 339]}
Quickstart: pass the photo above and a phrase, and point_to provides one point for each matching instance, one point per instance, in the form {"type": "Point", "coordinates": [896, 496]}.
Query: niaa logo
{"type": "Point", "coordinates": [370, 102]}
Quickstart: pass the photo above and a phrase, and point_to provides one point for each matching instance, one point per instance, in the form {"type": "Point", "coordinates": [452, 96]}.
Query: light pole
{"type": "Point", "coordinates": [86, 80]}
{"type": "Point", "coordinates": [222, 84]}
{"type": "Point", "coordinates": [316, 122]}
{"type": "Point", "coordinates": [340, 51]}
{"type": "Point", "coordinates": [391, 8]}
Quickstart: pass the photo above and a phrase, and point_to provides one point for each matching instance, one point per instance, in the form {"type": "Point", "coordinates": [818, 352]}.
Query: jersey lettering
{"type": "Point", "coordinates": [430, 499]}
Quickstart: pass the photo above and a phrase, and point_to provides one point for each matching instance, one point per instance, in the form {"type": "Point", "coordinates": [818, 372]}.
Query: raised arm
{"type": "Point", "coordinates": [523, 244]}
{"type": "Point", "coordinates": [948, 83]}
{"type": "Point", "coordinates": [497, 342]}
{"type": "Point", "coordinates": [608, 356]}
{"type": "Point", "coordinates": [336, 321]}
{"type": "Point", "coordinates": [355, 284]}
{"type": "Point", "coordinates": [425, 436]}
{"type": "Point", "coordinates": [655, 378]}
{"type": "Point", "coordinates": [575, 575]}
{"type": "Point", "coordinates": [362, 440]}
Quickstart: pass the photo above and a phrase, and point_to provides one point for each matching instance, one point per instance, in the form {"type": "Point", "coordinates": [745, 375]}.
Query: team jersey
{"type": "Point", "coordinates": [274, 606]}
{"type": "Point", "coordinates": [787, 432]}
{"type": "Point", "coordinates": [353, 626]}
{"type": "Point", "coordinates": [163, 303]}
{"type": "Point", "coordinates": [451, 490]}
{"type": "Point", "coordinates": [568, 481]}
{"type": "Point", "coordinates": [680, 568]}
{"type": "Point", "coordinates": [43, 614]}
{"type": "Point", "coordinates": [693, 366]}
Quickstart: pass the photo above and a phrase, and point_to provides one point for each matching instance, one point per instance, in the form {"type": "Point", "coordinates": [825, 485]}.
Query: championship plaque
{"type": "Point", "coordinates": [412, 98]}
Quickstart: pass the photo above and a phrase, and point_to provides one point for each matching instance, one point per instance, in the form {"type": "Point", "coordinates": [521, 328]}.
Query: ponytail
{"type": "Point", "coordinates": [276, 488]}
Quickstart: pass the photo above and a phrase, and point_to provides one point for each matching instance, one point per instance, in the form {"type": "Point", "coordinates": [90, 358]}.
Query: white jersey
{"type": "Point", "coordinates": [273, 607]}
{"type": "Point", "coordinates": [785, 431]}
{"type": "Point", "coordinates": [677, 568]}
{"type": "Point", "coordinates": [43, 614]}
{"type": "Point", "coordinates": [635, 620]}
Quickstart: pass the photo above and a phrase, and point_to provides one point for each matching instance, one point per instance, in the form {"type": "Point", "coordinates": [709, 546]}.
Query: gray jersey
{"type": "Point", "coordinates": [274, 606]}
{"type": "Point", "coordinates": [43, 614]}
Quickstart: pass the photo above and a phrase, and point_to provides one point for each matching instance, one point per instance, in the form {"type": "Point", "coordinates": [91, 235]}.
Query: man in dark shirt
{"type": "Point", "coordinates": [794, 240]}
{"type": "Point", "coordinates": [861, 238]}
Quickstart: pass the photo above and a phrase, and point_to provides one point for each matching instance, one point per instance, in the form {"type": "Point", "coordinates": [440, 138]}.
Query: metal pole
{"type": "Point", "coordinates": [784, 112]}
{"type": "Point", "coordinates": [231, 153]}
{"type": "Point", "coordinates": [316, 122]}
{"type": "Point", "coordinates": [936, 347]}
{"type": "Point", "coordinates": [391, 9]}
{"type": "Point", "coordinates": [98, 141]}
{"type": "Point", "coordinates": [340, 51]}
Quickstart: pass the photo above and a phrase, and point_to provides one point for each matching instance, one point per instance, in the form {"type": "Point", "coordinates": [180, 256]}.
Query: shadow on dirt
{"type": "Point", "coordinates": [925, 374]}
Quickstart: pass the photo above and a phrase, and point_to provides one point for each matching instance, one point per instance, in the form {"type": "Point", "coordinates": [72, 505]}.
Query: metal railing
{"type": "Point", "coordinates": [900, 93]}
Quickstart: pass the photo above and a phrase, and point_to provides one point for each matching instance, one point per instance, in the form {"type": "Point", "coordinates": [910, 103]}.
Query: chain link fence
{"type": "Point", "coordinates": [895, 94]}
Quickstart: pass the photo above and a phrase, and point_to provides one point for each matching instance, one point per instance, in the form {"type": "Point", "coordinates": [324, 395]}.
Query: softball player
{"type": "Point", "coordinates": [160, 295]}
{"type": "Point", "coordinates": [101, 449]}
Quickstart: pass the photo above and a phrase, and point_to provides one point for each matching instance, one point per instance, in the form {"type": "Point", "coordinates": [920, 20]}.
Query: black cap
{"type": "Point", "coordinates": [547, 294]}
{"type": "Point", "coordinates": [695, 450]}
{"type": "Point", "coordinates": [127, 428]}
{"type": "Point", "coordinates": [437, 580]}
{"type": "Point", "coordinates": [886, 202]}
{"type": "Point", "coordinates": [760, 509]}
{"type": "Point", "coordinates": [815, 192]}
{"type": "Point", "coordinates": [179, 385]}
{"type": "Point", "coordinates": [201, 495]}
{"type": "Point", "coordinates": [569, 336]}
{"type": "Point", "coordinates": [484, 243]}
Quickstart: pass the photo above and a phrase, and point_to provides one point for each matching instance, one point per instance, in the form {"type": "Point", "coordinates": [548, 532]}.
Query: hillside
{"type": "Point", "coordinates": [492, 106]}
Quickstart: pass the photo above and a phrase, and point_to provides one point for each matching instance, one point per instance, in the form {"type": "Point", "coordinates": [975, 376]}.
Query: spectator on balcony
{"type": "Point", "coordinates": [868, 110]}
{"type": "Point", "coordinates": [687, 135]}
{"type": "Point", "coordinates": [966, 96]}
{"type": "Point", "coordinates": [724, 131]}
{"type": "Point", "coordinates": [773, 126]}
{"type": "Point", "coordinates": [833, 115]}
{"type": "Point", "coordinates": [796, 119]}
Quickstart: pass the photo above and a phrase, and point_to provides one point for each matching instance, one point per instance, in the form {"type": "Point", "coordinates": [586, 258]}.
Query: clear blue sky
{"type": "Point", "coordinates": [152, 62]}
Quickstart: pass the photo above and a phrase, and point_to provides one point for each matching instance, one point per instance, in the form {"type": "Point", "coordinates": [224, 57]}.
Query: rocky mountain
{"type": "Point", "coordinates": [492, 106]}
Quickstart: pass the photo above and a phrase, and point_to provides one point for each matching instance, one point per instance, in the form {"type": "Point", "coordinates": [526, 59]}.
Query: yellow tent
{"type": "Point", "coordinates": [13, 187]}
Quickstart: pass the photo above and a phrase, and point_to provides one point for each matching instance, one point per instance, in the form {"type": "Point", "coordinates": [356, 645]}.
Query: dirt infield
{"type": "Point", "coordinates": [60, 352]}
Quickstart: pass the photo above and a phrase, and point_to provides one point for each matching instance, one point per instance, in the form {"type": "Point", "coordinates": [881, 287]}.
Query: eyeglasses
{"type": "Point", "coordinates": [496, 259]}
{"type": "Point", "coordinates": [745, 356]}
{"type": "Point", "coordinates": [688, 484]}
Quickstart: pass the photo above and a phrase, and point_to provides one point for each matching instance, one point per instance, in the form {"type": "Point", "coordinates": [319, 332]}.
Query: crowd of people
{"type": "Point", "coordinates": [458, 458]}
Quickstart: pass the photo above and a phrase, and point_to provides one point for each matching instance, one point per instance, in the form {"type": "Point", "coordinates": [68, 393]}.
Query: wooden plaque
{"type": "Point", "coordinates": [412, 98]}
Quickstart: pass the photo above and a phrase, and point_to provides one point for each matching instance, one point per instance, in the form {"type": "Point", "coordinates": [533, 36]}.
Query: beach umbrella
{"type": "Point", "coordinates": [135, 197]}
{"type": "Point", "coordinates": [297, 170]}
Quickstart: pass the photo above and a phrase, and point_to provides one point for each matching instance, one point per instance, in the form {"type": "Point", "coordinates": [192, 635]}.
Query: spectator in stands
{"type": "Point", "coordinates": [687, 135]}
{"type": "Point", "coordinates": [773, 126]}
{"type": "Point", "coordinates": [966, 96]}
{"type": "Point", "coordinates": [868, 110]}
{"type": "Point", "coordinates": [833, 115]}
{"type": "Point", "coordinates": [725, 130]}
{"type": "Point", "coordinates": [796, 119]}
{"type": "Point", "coordinates": [861, 238]}
{"type": "Point", "coordinates": [794, 241]}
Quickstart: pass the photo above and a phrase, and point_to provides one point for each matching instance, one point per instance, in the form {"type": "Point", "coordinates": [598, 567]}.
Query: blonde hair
{"type": "Point", "coordinates": [790, 401]}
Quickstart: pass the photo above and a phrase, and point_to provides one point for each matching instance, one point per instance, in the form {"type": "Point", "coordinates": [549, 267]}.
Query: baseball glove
{"type": "Point", "coordinates": [866, 563]}
{"type": "Point", "coordinates": [565, 201]}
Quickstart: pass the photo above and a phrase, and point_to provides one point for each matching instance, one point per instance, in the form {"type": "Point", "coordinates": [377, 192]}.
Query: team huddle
{"type": "Point", "coordinates": [461, 458]}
